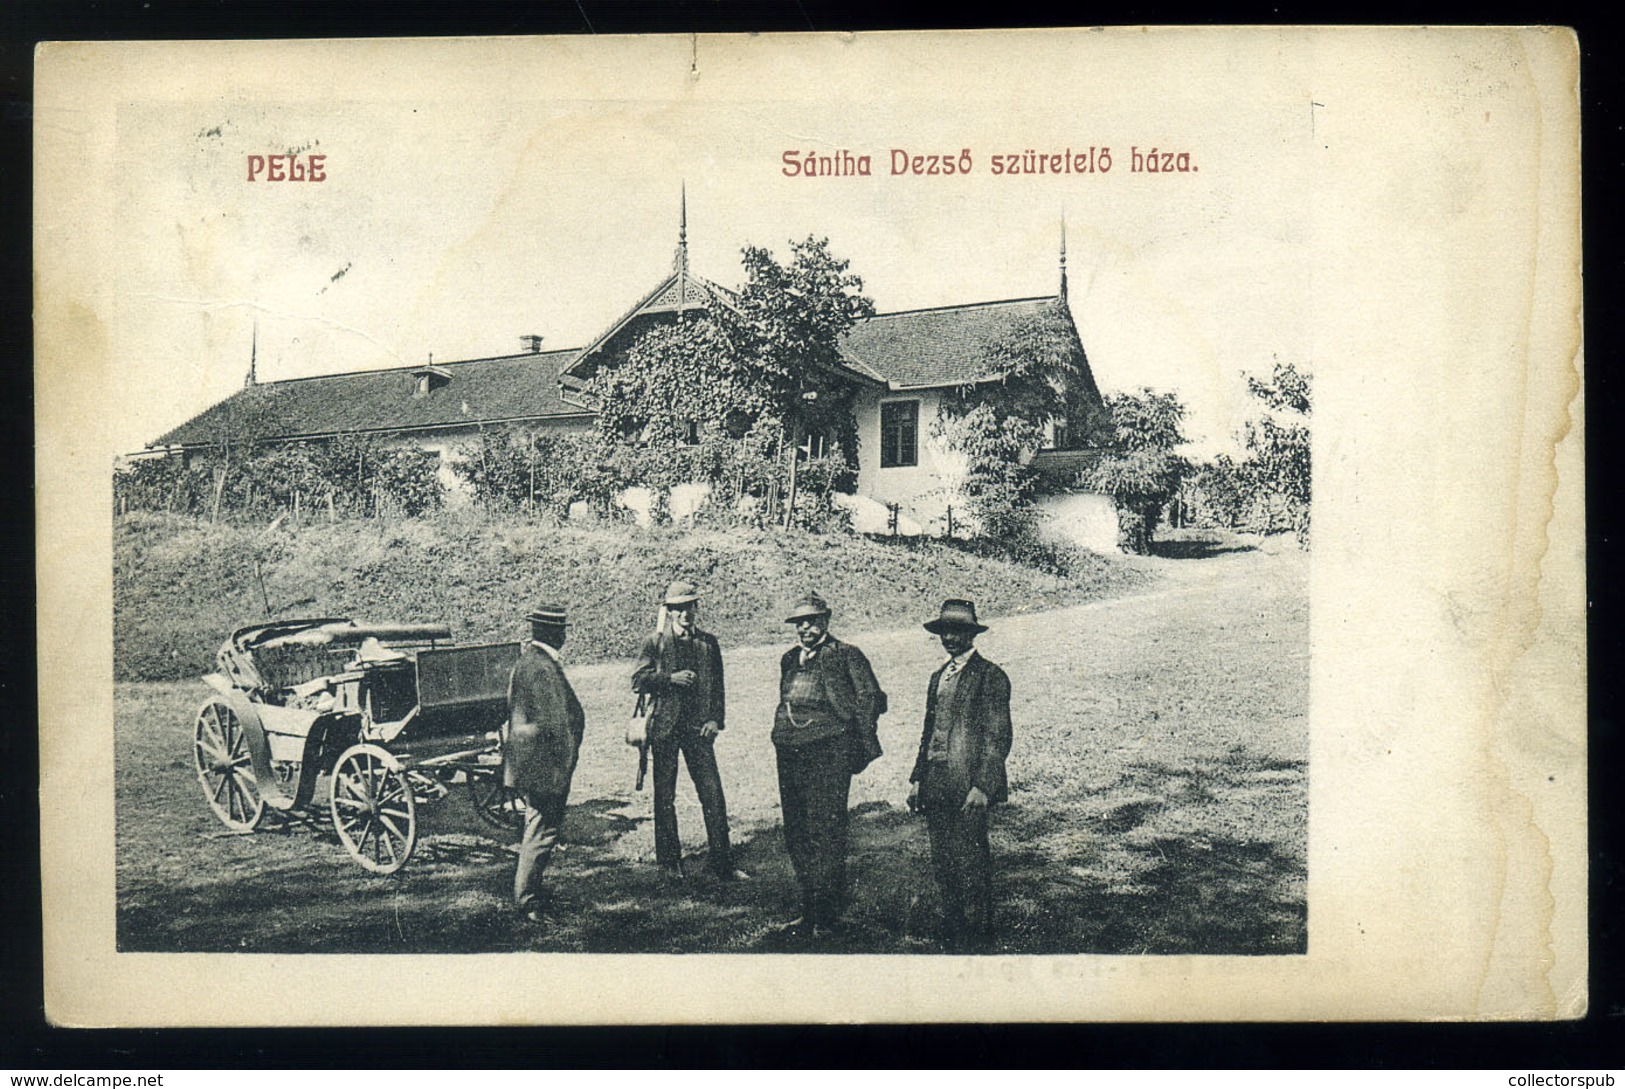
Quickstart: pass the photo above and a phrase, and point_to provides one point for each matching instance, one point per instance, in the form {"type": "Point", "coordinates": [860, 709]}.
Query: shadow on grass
{"type": "Point", "coordinates": [1056, 891]}
{"type": "Point", "coordinates": [1197, 549]}
{"type": "Point", "coordinates": [1164, 894]}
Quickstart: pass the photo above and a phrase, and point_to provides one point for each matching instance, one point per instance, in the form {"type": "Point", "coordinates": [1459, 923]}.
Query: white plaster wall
{"type": "Point", "coordinates": [1080, 518]}
{"type": "Point", "coordinates": [924, 490]}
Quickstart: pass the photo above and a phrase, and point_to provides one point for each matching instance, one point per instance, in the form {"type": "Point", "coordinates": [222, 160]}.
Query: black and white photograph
{"type": "Point", "coordinates": [731, 507]}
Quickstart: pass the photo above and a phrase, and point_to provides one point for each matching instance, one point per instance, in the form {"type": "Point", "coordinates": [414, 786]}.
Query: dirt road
{"type": "Point", "coordinates": [1159, 804]}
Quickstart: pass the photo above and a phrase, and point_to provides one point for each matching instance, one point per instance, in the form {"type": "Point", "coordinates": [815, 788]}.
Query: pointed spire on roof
{"type": "Point", "coordinates": [1063, 255]}
{"type": "Point", "coordinates": [253, 353]}
{"type": "Point", "coordinates": [681, 261]}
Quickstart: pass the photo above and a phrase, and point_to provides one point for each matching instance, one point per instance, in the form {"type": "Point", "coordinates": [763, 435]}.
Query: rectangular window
{"type": "Point", "coordinates": [899, 434]}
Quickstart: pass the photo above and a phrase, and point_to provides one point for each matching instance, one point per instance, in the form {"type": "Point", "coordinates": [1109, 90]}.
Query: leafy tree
{"type": "Point", "coordinates": [999, 485]}
{"type": "Point", "coordinates": [795, 314]}
{"type": "Point", "coordinates": [1267, 490]}
{"type": "Point", "coordinates": [999, 425]}
{"type": "Point", "coordinates": [792, 317]}
{"type": "Point", "coordinates": [1276, 472]}
{"type": "Point", "coordinates": [162, 484]}
{"type": "Point", "coordinates": [242, 423]}
{"type": "Point", "coordinates": [409, 481]}
{"type": "Point", "coordinates": [725, 397]}
{"type": "Point", "coordinates": [1286, 390]}
{"type": "Point", "coordinates": [1140, 471]}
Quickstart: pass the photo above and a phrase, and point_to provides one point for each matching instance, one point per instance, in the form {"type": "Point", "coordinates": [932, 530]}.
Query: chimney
{"type": "Point", "coordinates": [532, 343]}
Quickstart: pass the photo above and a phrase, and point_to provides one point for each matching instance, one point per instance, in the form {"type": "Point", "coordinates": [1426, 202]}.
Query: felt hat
{"type": "Point", "coordinates": [547, 614]}
{"type": "Point", "coordinates": [957, 615]}
{"type": "Point", "coordinates": [681, 592]}
{"type": "Point", "coordinates": [808, 607]}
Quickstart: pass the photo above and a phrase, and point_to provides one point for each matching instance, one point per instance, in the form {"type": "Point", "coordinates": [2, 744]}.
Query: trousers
{"type": "Point", "coordinates": [964, 868]}
{"type": "Point", "coordinates": [699, 753]}
{"type": "Point", "coordinates": [544, 816]}
{"type": "Point", "coordinates": [814, 782]}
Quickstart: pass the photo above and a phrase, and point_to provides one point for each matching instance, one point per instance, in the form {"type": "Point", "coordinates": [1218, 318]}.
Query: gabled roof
{"type": "Point", "coordinates": [677, 293]}
{"type": "Point", "coordinates": [942, 346]}
{"type": "Point", "coordinates": [514, 387]}
{"type": "Point", "coordinates": [910, 349]}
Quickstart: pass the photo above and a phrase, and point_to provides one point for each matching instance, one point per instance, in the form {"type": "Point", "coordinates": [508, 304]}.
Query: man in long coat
{"type": "Point", "coordinates": [959, 773]}
{"type": "Point", "coordinates": [823, 733]}
{"type": "Point", "coordinates": [680, 668]}
{"type": "Point", "coordinates": [539, 748]}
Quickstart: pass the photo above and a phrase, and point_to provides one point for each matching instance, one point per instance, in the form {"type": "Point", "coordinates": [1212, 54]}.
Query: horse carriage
{"type": "Point", "coordinates": [391, 717]}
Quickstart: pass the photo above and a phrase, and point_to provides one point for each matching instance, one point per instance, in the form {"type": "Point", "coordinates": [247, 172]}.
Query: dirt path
{"type": "Point", "coordinates": [1158, 804]}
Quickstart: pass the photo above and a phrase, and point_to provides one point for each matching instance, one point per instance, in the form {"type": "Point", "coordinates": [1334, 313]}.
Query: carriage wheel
{"type": "Point", "coordinates": [373, 810]}
{"type": "Point", "coordinates": [497, 805]}
{"type": "Point", "coordinates": [224, 768]}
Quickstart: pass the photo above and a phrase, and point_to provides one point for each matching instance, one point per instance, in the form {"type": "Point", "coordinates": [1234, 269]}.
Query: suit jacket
{"type": "Point", "coordinates": [978, 746]}
{"type": "Point", "coordinates": [701, 702]}
{"type": "Point", "coordinates": [852, 690]}
{"type": "Point", "coordinates": [545, 724]}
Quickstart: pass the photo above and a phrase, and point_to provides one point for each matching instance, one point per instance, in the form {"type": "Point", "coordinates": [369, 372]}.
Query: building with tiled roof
{"type": "Point", "coordinates": [428, 400]}
{"type": "Point", "coordinates": [901, 366]}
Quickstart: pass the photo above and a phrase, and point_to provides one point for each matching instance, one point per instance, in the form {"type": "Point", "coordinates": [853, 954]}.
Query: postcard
{"type": "Point", "coordinates": [969, 526]}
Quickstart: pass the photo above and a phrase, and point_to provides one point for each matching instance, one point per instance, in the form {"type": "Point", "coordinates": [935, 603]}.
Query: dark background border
{"type": "Point", "coordinates": [27, 1042]}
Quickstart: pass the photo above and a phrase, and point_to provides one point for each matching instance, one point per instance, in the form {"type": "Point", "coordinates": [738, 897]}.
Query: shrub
{"type": "Point", "coordinates": [1140, 472]}
{"type": "Point", "coordinates": [1268, 490]}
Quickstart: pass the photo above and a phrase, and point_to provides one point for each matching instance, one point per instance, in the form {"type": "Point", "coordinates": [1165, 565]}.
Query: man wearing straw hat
{"type": "Point", "coordinates": [959, 773]}
{"type": "Point", "coordinates": [681, 668]}
{"type": "Point", "coordinates": [823, 733]}
{"type": "Point", "coordinates": [539, 747]}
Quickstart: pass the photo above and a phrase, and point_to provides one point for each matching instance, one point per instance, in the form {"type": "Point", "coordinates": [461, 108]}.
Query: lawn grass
{"type": "Point", "coordinates": [1158, 805]}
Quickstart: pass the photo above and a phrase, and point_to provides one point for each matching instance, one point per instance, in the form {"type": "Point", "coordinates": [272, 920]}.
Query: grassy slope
{"type": "Point", "coordinates": [182, 585]}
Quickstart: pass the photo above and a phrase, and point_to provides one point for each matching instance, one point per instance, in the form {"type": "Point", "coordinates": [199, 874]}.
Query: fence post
{"type": "Point", "coordinates": [950, 519]}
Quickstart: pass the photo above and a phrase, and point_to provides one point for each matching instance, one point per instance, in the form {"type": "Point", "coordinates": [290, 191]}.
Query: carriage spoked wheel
{"type": "Point", "coordinates": [497, 805]}
{"type": "Point", "coordinates": [373, 809]}
{"type": "Point", "coordinates": [220, 756]}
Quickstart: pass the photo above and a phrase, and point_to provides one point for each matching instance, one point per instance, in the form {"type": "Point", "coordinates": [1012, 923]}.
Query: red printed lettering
{"type": "Point", "coordinates": [292, 168]}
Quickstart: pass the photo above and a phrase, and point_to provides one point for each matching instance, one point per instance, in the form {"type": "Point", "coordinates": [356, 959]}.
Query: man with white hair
{"type": "Point", "coordinates": [680, 668]}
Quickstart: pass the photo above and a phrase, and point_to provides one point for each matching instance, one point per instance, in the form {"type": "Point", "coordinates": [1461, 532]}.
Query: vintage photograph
{"type": "Point", "coordinates": [408, 612]}
{"type": "Point", "coordinates": [728, 497]}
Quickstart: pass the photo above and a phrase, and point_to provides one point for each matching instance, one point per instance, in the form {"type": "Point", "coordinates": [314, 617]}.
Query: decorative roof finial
{"type": "Point", "coordinates": [253, 353]}
{"type": "Point", "coordinates": [682, 232]}
{"type": "Point", "coordinates": [1063, 255]}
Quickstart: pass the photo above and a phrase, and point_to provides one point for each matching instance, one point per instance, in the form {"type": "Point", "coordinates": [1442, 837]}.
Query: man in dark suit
{"type": "Point", "coordinates": [680, 667]}
{"type": "Point", "coordinates": [959, 773]}
{"type": "Point", "coordinates": [539, 747]}
{"type": "Point", "coordinates": [823, 733]}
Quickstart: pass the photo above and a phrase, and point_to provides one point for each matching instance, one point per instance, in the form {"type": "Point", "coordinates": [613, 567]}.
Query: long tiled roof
{"type": "Point", "coordinates": [478, 391]}
{"type": "Point", "coordinates": [943, 346]}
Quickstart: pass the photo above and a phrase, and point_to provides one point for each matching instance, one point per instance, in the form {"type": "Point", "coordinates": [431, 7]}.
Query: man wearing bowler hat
{"type": "Point", "coordinates": [823, 733]}
{"type": "Point", "coordinates": [959, 773]}
{"type": "Point", "coordinates": [681, 668]}
{"type": "Point", "coordinates": [539, 747]}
